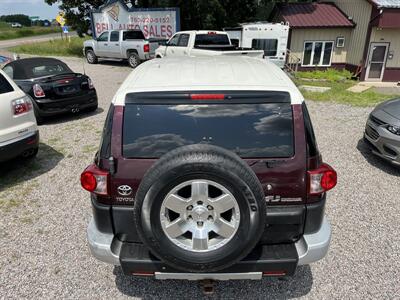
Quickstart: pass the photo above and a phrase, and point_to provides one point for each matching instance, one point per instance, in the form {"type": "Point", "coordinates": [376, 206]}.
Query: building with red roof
{"type": "Point", "coordinates": [360, 35]}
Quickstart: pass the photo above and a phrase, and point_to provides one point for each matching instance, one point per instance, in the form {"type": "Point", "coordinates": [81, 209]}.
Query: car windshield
{"type": "Point", "coordinates": [250, 130]}
{"type": "Point", "coordinates": [133, 35]}
{"type": "Point", "coordinates": [211, 39]}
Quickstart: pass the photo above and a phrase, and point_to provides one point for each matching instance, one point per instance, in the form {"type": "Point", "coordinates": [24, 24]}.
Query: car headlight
{"type": "Point", "coordinates": [394, 129]}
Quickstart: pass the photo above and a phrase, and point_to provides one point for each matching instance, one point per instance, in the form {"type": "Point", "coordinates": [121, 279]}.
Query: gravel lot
{"type": "Point", "coordinates": [44, 213]}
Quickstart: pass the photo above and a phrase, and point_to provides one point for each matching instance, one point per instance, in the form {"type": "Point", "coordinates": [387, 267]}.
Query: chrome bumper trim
{"type": "Point", "coordinates": [310, 248]}
{"type": "Point", "coordinates": [100, 245]}
{"type": "Point", "coordinates": [209, 276]}
{"type": "Point", "coordinates": [313, 247]}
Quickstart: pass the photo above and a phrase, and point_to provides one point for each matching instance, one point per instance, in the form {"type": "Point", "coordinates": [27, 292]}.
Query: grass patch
{"type": "Point", "coordinates": [8, 204]}
{"type": "Point", "coordinates": [339, 93]}
{"type": "Point", "coordinates": [331, 75]}
{"type": "Point", "coordinates": [8, 33]}
{"type": "Point", "coordinates": [53, 48]}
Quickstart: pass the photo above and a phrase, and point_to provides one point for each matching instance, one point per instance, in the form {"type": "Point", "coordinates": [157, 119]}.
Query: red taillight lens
{"type": "Point", "coordinates": [21, 106]}
{"type": "Point", "coordinates": [38, 91]}
{"type": "Point", "coordinates": [322, 179]}
{"type": "Point", "coordinates": [207, 96]}
{"type": "Point", "coordinates": [95, 180]}
{"type": "Point", "coordinates": [146, 48]}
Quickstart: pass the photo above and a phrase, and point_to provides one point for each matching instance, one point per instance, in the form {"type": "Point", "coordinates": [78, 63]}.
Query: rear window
{"type": "Point", "coordinates": [133, 35]}
{"type": "Point", "coordinates": [5, 86]}
{"type": "Point", "coordinates": [211, 39]}
{"type": "Point", "coordinates": [49, 70]}
{"type": "Point", "coordinates": [250, 130]}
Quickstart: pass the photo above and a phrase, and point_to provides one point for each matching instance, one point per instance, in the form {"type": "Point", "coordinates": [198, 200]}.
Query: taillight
{"type": "Point", "coordinates": [207, 96]}
{"type": "Point", "coordinates": [95, 180]}
{"type": "Point", "coordinates": [21, 106]}
{"type": "Point", "coordinates": [322, 179]}
{"type": "Point", "coordinates": [91, 85]}
{"type": "Point", "coordinates": [38, 91]}
{"type": "Point", "coordinates": [146, 48]}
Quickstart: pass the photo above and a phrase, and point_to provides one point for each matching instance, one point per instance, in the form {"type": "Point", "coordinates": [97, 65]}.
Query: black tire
{"type": "Point", "coordinates": [200, 162]}
{"type": "Point", "coordinates": [133, 59]}
{"type": "Point", "coordinates": [91, 57]}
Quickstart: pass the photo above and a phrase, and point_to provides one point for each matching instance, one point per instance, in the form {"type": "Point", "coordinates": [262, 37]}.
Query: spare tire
{"type": "Point", "coordinates": [200, 208]}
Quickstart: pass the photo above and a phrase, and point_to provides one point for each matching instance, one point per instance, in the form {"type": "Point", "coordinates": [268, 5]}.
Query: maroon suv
{"type": "Point", "coordinates": [208, 169]}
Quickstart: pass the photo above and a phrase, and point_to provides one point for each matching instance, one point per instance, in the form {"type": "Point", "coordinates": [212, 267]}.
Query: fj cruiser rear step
{"type": "Point", "coordinates": [270, 260]}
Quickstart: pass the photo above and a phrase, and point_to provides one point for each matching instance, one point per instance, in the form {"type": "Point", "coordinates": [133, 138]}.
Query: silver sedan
{"type": "Point", "coordinates": [382, 131]}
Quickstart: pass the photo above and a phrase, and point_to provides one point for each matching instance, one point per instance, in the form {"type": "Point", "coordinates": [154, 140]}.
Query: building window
{"type": "Point", "coordinates": [317, 53]}
{"type": "Point", "coordinates": [270, 46]}
{"type": "Point", "coordinates": [340, 42]}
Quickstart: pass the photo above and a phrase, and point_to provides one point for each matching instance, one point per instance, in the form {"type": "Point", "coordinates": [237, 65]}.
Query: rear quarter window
{"type": "Point", "coordinates": [5, 86]}
{"type": "Point", "coordinates": [250, 130]}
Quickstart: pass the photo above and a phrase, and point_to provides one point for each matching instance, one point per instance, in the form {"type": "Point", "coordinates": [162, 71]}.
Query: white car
{"type": "Point", "coordinates": [203, 43]}
{"type": "Point", "coordinates": [16, 25]}
{"type": "Point", "coordinates": [19, 134]}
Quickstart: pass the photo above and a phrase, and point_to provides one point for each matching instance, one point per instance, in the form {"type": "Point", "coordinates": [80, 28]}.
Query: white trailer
{"type": "Point", "coordinates": [270, 37]}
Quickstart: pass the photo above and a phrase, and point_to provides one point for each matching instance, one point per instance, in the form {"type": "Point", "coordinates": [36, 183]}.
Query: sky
{"type": "Point", "coordinates": [28, 7]}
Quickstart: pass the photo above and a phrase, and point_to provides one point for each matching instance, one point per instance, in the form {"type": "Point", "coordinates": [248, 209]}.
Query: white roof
{"type": "Point", "coordinates": [207, 73]}
{"type": "Point", "coordinates": [388, 3]}
{"type": "Point", "coordinates": [202, 31]}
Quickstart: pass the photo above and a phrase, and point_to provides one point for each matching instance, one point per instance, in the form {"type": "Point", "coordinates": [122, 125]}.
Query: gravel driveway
{"type": "Point", "coordinates": [44, 213]}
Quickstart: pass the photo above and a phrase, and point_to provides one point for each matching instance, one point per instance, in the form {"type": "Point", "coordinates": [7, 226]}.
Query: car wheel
{"type": "Point", "coordinates": [91, 57]}
{"type": "Point", "coordinates": [200, 208]}
{"type": "Point", "coordinates": [133, 60]}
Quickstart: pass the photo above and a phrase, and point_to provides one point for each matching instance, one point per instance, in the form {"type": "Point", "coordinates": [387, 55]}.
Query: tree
{"type": "Point", "coordinates": [195, 14]}
{"type": "Point", "coordinates": [77, 12]}
{"type": "Point", "coordinates": [22, 19]}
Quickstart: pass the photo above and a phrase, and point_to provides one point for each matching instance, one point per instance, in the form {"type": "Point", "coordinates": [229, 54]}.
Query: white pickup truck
{"type": "Point", "coordinates": [124, 44]}
{"type": "Point", "coordinates": [203, 43]}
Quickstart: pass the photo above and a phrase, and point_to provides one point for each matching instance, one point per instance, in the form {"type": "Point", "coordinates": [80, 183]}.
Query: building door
{"type": "Point", "coordinates": [376, 61]}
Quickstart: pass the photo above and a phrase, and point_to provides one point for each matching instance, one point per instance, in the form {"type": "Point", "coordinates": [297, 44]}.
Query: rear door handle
{"type": "Point", "coordinates": [105, 44]}
{"type": "Point", "coordinates": [116, 44]}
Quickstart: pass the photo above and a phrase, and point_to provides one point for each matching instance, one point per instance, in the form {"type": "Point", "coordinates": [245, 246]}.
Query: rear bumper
{"type": "Point", "coordinates": [18, 146]}
{"type": "Point", "coordinates": [278, 260]}
{"type": "Point", "coordinates": [50, 107]}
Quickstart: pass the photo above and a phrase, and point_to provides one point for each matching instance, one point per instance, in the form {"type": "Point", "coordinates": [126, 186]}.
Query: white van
{"type": "Point", "coordinates": [270, 37]}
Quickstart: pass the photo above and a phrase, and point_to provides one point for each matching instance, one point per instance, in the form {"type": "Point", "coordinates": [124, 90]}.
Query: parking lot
{"type": "Point", "coordinates": [44, 213]}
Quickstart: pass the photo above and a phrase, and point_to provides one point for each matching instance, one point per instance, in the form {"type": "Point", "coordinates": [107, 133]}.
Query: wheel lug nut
{"type": "Point", "coordinates": [209, 207]}
{"type": "Point", "coordinates": [200, 223]}
{"type": "Point", "coordinates": [190, 207]}
{"type": "Point", "coordinates": [189, 218]}
{"type": "Point", "coordinates": [210, 218]}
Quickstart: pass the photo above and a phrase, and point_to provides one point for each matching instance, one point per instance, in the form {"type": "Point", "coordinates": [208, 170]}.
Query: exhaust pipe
{"type": "Point", "coordinates": [75, 110]}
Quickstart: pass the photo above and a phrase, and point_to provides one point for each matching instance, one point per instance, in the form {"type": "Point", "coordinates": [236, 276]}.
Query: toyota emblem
{"type": "Point", "coordinates": [124, 190]}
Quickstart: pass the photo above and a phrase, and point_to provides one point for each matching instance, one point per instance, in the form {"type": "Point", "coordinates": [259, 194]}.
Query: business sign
{"type": "Point", "coordinates": [34, 18]}
{"type": "Point", "coordinates": [65, 29]}
{"type": "Point", "coordinates": [154, 22]}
